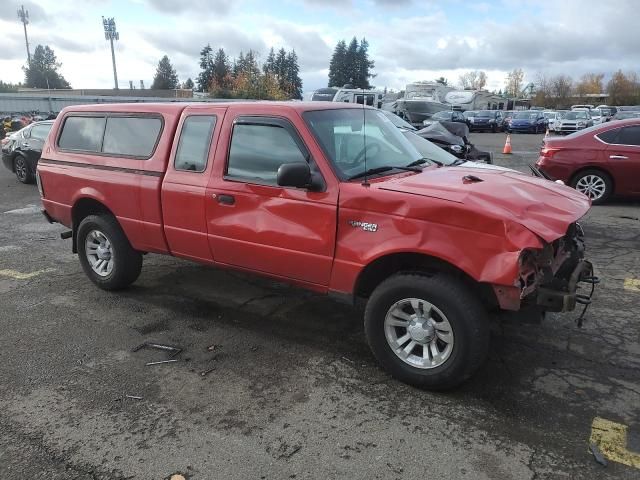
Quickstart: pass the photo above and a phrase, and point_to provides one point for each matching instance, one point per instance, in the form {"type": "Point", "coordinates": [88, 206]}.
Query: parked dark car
{"type": "Point", "coordinates": [625, 115]}
{"type": "Point", "coordinates": [452, 137]}
{"type": "Point", "coordinates": [528, 121]}
{"type": "Point", "coordinates": [486, 120]}
{"type": "Point", "coordinates": [447, 116]}
{"type": "Point", "coordinates": [22, 152]}
{"type": "Point", "coordinates": [600, 161]}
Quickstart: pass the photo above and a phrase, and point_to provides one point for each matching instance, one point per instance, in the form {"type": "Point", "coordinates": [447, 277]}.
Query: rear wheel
{"type": "Point", "coordinates": [21, 169]}
{"type": "Point", "coordinates": [106, 255]}
{"type": "Point", "coordinates": [431, 332]}
{"type": "Point", "coordinates": [595, 184]}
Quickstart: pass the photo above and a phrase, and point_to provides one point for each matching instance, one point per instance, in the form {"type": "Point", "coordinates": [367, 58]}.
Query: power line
{"type": "Point", "coordinates": [23, 15]}
{"type": "Point", "coordinates": [111, 34]}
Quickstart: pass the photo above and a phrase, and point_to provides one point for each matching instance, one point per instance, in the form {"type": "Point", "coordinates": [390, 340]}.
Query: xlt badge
{"type": "Point", "coordinates": [367, 227]}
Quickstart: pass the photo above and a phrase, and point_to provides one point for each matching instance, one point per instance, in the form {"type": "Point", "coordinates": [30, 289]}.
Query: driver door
{"type": "Point", "coordinates": [255, 224]}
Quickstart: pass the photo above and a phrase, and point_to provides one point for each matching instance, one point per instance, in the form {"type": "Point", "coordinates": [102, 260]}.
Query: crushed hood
{"type": "Point", "coordinates": [544, 207]}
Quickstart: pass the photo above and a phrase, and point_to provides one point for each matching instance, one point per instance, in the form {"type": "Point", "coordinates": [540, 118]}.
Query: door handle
{"type": "Point", "coordinates": [618, 157]}
{"type": "Point", "coordinates": [225, 199]}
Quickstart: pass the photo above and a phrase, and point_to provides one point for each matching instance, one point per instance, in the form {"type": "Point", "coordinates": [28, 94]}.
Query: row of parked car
{"type": "Point", "coordinates": [535, 120]}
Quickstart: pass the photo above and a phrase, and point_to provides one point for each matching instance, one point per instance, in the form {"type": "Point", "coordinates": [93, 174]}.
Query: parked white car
{"type": "Point", "coordinates": [596, 116]}
{"type": "Point", "coordinates": [553, 119]}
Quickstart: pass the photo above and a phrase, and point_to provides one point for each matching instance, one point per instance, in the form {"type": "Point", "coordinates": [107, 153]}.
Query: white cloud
{"type": "Point", "coordinates": [407, 42]}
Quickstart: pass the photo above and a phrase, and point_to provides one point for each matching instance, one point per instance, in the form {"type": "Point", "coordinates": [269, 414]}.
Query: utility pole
{"type": "Point", "coordinates": [111, 34]}
{"type": "Point", "coordinates": [23, 15]}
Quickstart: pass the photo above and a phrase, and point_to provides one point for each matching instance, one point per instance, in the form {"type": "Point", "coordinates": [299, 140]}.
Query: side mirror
{"type": "Point", "coordinates": [294, 175]}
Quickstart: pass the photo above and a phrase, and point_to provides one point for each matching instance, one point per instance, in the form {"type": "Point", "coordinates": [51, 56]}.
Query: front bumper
{"type": "Point", "coordinates": [563, 296]}
{"type": "Point", "coordinates": [522, 128]}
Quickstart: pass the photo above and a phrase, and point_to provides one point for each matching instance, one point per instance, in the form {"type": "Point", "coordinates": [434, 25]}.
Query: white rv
{"type": "Point", "coordinates": [373, 98]}
{"type": "Point", "coordinates": [474, 100]}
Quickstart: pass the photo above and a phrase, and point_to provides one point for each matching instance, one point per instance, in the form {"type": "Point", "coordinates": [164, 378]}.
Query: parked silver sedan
{"type": "Point", "coordinates": [574, 120]}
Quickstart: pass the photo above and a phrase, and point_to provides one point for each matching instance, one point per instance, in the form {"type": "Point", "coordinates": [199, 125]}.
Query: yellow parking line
{"type": "Point", "coordinates": [632, 284]}
{"type": "Point", "coordinates": [23, 276]}
{"type": "Point", "coordinates": [611, 439]}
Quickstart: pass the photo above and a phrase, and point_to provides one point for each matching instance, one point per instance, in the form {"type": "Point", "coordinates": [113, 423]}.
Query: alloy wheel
{"type": "Point", "coordinates": [21, 169]}
{"type": "Point", "coordinates": [418, 333]}
{"type": "Point", "coordinates": [99, 253]}
{"type": "Point", "coordinates": [592, 186]}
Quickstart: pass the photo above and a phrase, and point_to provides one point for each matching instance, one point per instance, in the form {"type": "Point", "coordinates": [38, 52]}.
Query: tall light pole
{"type": "Point", "coordinates": [23, 15]}
{"type": "Point", "coordinates": [111, 34]}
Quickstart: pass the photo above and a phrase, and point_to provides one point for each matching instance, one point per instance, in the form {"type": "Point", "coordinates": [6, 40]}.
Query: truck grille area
{"type": "Point", "coordinates": [550, 277]}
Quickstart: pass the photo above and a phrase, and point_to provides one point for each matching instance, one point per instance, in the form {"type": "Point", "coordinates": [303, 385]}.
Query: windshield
{"type": "Point", "coordinates": [595, 112]}
{"type": "Point", "coordinates": [470, 113]}
{"type": "Point", "coordinates": [441, 116]}
{"type": "Point", "coordinates": [430, 150]}
{"type": "Point", "coordinates": [575, 116]}
{"type": "Point", "coordinates": [525, 116]}
{"type": "Point", "coordinates": [549, 114]}
{"type": "Point", "coordinates": [625, 115]}
{"type": "Point", "coordinates": [349, 135]}
{"type": "Point", "coordinates": [397, 121]}
{"type": "Point", "coordinates": [485, 113]}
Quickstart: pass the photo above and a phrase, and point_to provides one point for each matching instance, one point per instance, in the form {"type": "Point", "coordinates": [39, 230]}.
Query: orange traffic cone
{"type": "Point", "coordinates": [507, 145]}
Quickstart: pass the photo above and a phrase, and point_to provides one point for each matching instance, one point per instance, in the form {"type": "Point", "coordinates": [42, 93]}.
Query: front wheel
{"type": "Point", "coordinates": [106, 255]}
{"type": "Point", "coordinates": [21, 169]}
{"type": "Point", "coordinates": [430, 332]}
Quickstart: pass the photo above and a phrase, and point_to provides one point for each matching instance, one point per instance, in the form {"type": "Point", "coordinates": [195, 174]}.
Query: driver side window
{"type": "Point", "coordinates": [257, 151]}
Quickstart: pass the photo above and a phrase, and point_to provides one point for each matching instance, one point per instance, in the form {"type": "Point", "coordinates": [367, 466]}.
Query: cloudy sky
{"type": "Point", "coordinates": [410, 39]}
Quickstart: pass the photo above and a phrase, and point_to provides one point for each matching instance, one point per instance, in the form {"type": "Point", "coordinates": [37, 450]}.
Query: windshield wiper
{"type": "Point", "coordinates": [422, 161]}
{"type": "Point", "coordinates": [458, 161]}
{"type": "Point", "coordinates": [385, 168]}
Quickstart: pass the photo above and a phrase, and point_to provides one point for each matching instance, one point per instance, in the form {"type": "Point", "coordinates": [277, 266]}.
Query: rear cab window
{"type": "Point", "coordinates": [116, 135]}
{"type": "Point", "coordinates": [194, 143]}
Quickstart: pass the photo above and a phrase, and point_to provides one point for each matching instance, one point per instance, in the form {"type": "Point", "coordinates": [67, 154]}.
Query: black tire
{"type": "Point", "coordinates": [127, 261]}
{"type": "Point", "coordinates": [21, 169]}
{"type": "Point", "coordinates": [464, 312]}
{"type": "Point", "coordinates": [604, 177]}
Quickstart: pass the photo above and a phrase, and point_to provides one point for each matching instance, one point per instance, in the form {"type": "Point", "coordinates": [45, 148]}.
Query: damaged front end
{"type": "Point", "coordinates": [550, 277]}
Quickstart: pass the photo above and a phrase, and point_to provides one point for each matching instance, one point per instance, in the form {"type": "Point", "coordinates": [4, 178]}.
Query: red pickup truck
{"type": "Point", "coordinates": [330, 197]}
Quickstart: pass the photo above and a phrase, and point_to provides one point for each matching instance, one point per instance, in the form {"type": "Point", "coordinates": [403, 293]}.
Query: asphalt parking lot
{"type": "Point", "coordinates": [275, 382]}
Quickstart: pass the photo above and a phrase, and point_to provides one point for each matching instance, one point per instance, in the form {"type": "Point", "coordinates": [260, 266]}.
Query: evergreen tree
{"type": "Point", "coordinates": [270, 65]}
{"type": "Point", "coordinates": [337, 77]}
{"type": "Point", "coordinates": [239, 65]}
{"type": "Point", "coordinates": [165, 77]}
{"type": "Point", "coordinates": [351, 62]}
{"type": "Point", "coordinates": [364, 66]}
{"type": "Point", "coordinates": [294, 82]}
{"type": "Point", "coordinates": [42, 72]}
{"type": "Point", "coordinates": [8, 87]}
{"type": "Point", "coordinates": [188, 85]}
{"type": "Point", "coordinates": [206, 69]}
{"type": "Point", "coordinates": [280, 68]}
{"type": "Point", "coordinates": [221, 68]}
